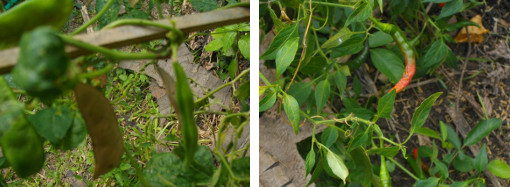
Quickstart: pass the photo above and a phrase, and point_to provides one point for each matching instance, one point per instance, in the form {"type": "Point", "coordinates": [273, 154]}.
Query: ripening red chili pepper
{"type": "Point", "coordinates": [423, 165]}
{"type": "Point", "coordinates": [406, 50]}
{"type": "Point", "coordinates": [441, 5]}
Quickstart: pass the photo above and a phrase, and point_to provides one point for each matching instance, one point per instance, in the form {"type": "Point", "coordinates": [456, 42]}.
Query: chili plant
{"type": "Point", "coordinates": [311, 54]}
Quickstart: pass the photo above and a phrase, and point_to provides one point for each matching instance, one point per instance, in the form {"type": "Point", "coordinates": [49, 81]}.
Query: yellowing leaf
{"type": "Point", "coordinates": [102, 126]}
{"type": "Point", "coordinates": [337, 165]}
{"type": "Point", "coordinates": [475, 33]}
{"type": "Point", "coordinates": [133, 2]}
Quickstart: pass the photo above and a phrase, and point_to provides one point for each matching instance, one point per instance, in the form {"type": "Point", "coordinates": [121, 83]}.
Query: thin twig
{"type": "Point", "coordinates": [466, 60]}
{"type": "Point", "coordinates": [304, 46]}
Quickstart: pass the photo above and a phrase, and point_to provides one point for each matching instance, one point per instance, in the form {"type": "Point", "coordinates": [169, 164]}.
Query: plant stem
{"type": "Point", "coordinates": [108, 52]}
{"type": "Point", "coordinates": [96, 73]}
{"type": "Point", "coordinates": [94, 19]}
{"type": "Point", "coordinates": [403, 168]}
{"type": "Point", "coordinates": [333, 4]}
{"type": "Point", "coordinates": [222, 86]}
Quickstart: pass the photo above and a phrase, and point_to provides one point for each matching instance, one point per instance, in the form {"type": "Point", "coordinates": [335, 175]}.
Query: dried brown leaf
{"type": "Point", "coordinates": [475, 33]}
{"type": "Point", "coordinates": [133, 2]}
{"type": "Point", "coordinates": [102, 126]}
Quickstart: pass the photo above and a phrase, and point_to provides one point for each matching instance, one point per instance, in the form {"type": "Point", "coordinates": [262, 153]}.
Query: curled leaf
{"type": "Point", "coordinates": [102, 126]}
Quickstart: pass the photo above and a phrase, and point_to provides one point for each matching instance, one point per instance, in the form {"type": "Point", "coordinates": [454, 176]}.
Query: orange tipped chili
{"type": "Point", "coordinates": [406, 50]}
{"type": "Point", "coordinates": [410, 60]}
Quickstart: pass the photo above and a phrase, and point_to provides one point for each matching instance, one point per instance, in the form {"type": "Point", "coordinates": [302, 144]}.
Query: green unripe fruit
{"type": "Point", "coordinates": [42, 64]}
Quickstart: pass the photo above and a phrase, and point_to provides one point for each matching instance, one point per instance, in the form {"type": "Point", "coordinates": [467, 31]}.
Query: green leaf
{"type": "Point", "coordinates": [322, 91]}
{"type": "Point", "coordinates": [315, 65]}
{"type": "Point", "coordinates": [244, 45]}
{"type": "Point", "coordinates": [300, 91]}
{"type": "Point", "coordinates": [431, 181]}
{"type": "Point", "coordinates": [268, 100]}
{"type": "Point", "coordinates": [329, 136]}
{"type": "Point", "coordinates": [310, 161]}
{"type": "Point", "coordinates": [452, 136]}
{"type": "Point", "coordinates": [480, 162]}
{"type": "Point", "coordinates": [232, 68]}
{"type": "Point", "coordinates": [358, 140]}
{"type": "Point", "coordinates": [185, 106]}
{"type": "Point", "coordinates": [385, 104]}
{"type": "Point", "coordinates": [241, 167]}
{"type": "Point", "coordinates": [341, 36]}
{"type": "Point", "coordinates": [440, 168]}
{"type": "Point", "coordinates": [460, 24]}
{"type": "Point", "coordinates": [316, 172]}
{"type": "Point", "coordinates": [76, 133]}
{"type": "Point", "coordinates": [214, 45]}
{"type": "Point", "coordinates": [427, 132]}
{"type": "Point", "coordinates": [387, 63]}
{"type": "Point", "coordinates": [340, 81]}
{"type": "Point", "coordinates": [290, 31]}
{"type": "Point", "coordinates": [451, 60]}
{"type": "Point", "coordinates": [337, 165]}
{"type": "Point", "coordinates": [291, 107]}
{"type": "Point", "coordinates": [435, 54]}
{"type": "Point", "coordinates": [52, 123]}
{"type": "Point", "coordinates": [385, 151]}
{"type": "Point", "coordinates": [460, 184]}
{"type": "Point", "coordinates": [243, 92]}
{"type": "Point", "coordinates": [499, 168]}
{"type": "Point", "coordinates": [443, 130]}
{"type": "Point", "coordinates": [286, 55]}
{"type": "Point", "coordinates": [204, 5]}
{"type": "Point", "coordinates": [451, 8]}
{"type": "Point", "coordinates": [481, 130]}
{"type": "Point", "coordinates": [363, 167]}
{"type": "Point", "coordinates": [362, 11]}
{"type": "Point", "coordinates": [379, 38]}
{"type": "Point", "coordinates": [352, 46]}
{"type": "Point", "coordinates": [422, 112]}
{"type": "Point", "coordinates": [462, 162]}
{"type": "Point", "coordinates": [224, 38]}
{"type": "Point", "coordinates": [110, 15]}
{"type": "Point", "coordinates": [164, 169]}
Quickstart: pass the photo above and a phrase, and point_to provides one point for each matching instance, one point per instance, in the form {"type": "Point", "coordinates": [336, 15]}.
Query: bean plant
{"type": "Point", "coordinates": [319, 49]}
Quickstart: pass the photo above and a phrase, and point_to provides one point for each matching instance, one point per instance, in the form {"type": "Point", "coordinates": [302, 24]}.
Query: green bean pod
{"type": "Point", "coordinates": [30, 14]}
{"type": "Point", "coordinates": [21, 145]}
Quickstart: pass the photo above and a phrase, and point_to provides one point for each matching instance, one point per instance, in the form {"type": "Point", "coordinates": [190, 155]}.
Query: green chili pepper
{"type": "Point", "coordinates": [384, 175]}
{"type": "Point", "coordinates": [360, 59]}
{"type": "Point", "coordinates": [31, 14]}
{"type": "Point", "coordinates": [406, 50]}
{"type": "Point", "coordinates": [21, 145]}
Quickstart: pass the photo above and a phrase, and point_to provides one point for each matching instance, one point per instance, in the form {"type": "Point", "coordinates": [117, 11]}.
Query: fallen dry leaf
{"type": "Point", "coordinates": [102, 126]}
{"type": "Point", "coordinates": [475, 33]}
